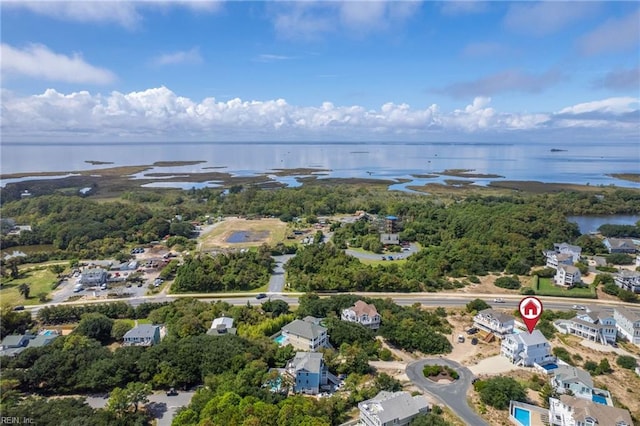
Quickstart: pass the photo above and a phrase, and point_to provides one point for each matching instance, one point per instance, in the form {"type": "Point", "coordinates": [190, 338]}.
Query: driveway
{"type": "Point", "coordinates": [276, 281]}
{"type": "Point", "coordinates": [161, 406]}
{"type": "Point", "coordinates": [413, 248]}
{"type": "Point", "coordinates": [453, 395]}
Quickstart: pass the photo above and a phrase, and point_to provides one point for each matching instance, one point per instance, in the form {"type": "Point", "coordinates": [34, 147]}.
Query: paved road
{"type": "Point", "coordinates": [162, 407]}
{"type": "Point", "coordinates": [453, 395]}
{"type": "Point", "coordinates": [276, 282]}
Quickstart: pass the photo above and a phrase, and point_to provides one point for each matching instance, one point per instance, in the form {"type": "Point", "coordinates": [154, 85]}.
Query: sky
{"type": "Point", "coordinates": [320, 71]}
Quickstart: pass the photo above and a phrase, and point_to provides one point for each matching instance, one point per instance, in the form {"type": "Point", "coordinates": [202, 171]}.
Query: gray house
{"type": "Point", "coordinates": [392, 409]}
{"type": "Point", "coordinates": [567, 378]}
{"type": "Point", "coordinates": [93, 276]}
{"type": "Point", "coordinates": [309, 372]}
{"type": "Point", "coordinates": [619, 245]}
{"type": "Point", "coordinates": [143, 335]}
{"type": "Point", "coordinates": [307, 334]}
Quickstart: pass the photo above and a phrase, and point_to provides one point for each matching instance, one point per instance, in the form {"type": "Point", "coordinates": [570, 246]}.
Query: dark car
{"type": "Point", "coordinates": [172, 392]}
{"type": "Point", "coordinates": [472, 330]}
{"type": "Point", "coordinates": [474, 341]}
{"type": "Point", "coordinates": [19, 308]}
{"type": "Point", "coordinates": [261, 296]}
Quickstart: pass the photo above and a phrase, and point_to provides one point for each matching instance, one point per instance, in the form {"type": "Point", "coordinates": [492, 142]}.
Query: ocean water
{"type": "Point", "coordinates": [576, 163]}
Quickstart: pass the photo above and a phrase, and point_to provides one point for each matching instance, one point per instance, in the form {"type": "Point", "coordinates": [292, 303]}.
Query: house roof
{"type": "Point", "coordinates": [569, 269]}
{"type": "Point", "coordinates": [13, 341]}
{"type": "Point", "coordinates": [305, 329]}
{"type": "Point", "coordinates": [626, 243]}
{"type": "Point", "coordinates": [143, 331]}
{"type": "Point", "coordinates": [388, 406]}
{"type": "Point", "coordinates": [41, 340]}
{"type": "Point", "coordinates": [535, 338]}
{"type": "Point", "coordinates": [627, 313]}
{"type": "Point", "coordinates": [497, 315]}
{"type": "Point", "coordinates": [567, 373]}
{"type": "Point", "coordinates": [309, 361]}
{"type": "Point", "coordinates": [361, 308]}
{"type": "Point", "coordinates": [226, 321]}
{"type": "Point", "coordinates": [603, 414]}
{"type": "Point", "coordinates": [569, 247]}
{"type": "Point", "coordinates": [563, 256]}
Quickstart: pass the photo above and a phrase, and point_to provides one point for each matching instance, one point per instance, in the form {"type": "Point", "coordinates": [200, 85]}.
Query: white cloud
{"type": "Point", "coordinates": [613, 35]}
{"type": "Point", "coordinates": [312, 19]}
{"type": "Point", "coordinates": [269, 57]}
{"type": "Point", "coordinates": [191, 56]}
{"type": "Point", "coordinates": [159, 112]}
{"type": "Point", "coordinates": [37, 61]}
{"type": "Point", "coordinates": [122, 12]}
{"type": "Point", "coordinates": [619, 105]}
{"type": "Point", "coordinates": [547, 17]}
{"type": "Point", "coordinates": [505, 81]}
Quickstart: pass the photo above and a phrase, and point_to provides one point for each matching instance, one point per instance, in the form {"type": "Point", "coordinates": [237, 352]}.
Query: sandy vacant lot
{"type": "Point", "coordinates": [260, 231]}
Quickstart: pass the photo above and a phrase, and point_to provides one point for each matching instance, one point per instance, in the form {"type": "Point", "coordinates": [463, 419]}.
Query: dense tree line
{"type": "Point", "coordinates": [224, 272]}
{"type": "Point", "coordinates": [620, 231]}
{"type": "Point", "coordinates": [63, 314]}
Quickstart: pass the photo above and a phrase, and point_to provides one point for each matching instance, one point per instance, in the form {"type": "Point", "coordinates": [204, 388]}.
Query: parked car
{"type": "Point", "coordinates": [390, 257]}
{"type": "Point", "coordinates": [472, 330]}
{"type": "Point", "coordinates": [498, 300]}
{"type": "Point", "coordinates": [460, 338]}
{"type": "Point", "coordinates": [261, 296]}
{"type": "Point", "coordinates": [578, 307]}
{"type": "Point", "coordinates": [474, 341]}
{"type": "Point", "coordinates": [172, 392]}
{"type": "Point", "coordinates": [19, 308]}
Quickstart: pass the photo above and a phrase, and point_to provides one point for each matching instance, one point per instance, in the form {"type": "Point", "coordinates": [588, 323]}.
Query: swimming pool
{"type": "Point", "coordinates": [550, 366]}
{"type": "Point", "coordinates": [522, 416]}
{"type": "Point", "coordinates": [280, 339]}
{"type": "Point", "coordinates": [48, 333]}
{"type": "Point", "coordinates": [599, 399]}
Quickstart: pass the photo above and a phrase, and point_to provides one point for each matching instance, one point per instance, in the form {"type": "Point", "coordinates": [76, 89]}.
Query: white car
{"type": "Point", "coordinates": [498, 300]}
{"type": "Point", "coordinates": [578, 307]}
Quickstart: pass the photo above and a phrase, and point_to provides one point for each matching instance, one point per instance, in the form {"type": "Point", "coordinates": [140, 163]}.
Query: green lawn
{"type": "Point", "coordinates": [39, 280]}
{"type": "Point", "coordinates": [547, 288]}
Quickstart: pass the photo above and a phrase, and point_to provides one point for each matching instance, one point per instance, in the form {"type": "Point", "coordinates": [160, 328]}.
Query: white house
{"type": "Point", "coordinates": [596, 325]}
{"type": "Point", "coordinates": [628, 280]}
{"type": "Point", "coordinates": [526, 349]}
{"type": "Point", "coordinates": [306, 335]}
{"type": "Point", "coordinates": [494, 322]}
{"type": "Point", "coordinates": [571, 411]}
{"type": "Point", "coordinates": [567, 379]}
{"type": "Point", "coordinates": [562, 254]}
{"type": "Point", "coordinates": [392, 409]}
{"type": "Point", "coordinates": [220, 326]}
{"type": "Point", "coordinates": [628, 324]}
{"type": "Point", "coordinates": [567, 275]}
{"type": "Point", "coordinates": [144, 335]}
{"type": "Point", "coordinates": [363, 314]}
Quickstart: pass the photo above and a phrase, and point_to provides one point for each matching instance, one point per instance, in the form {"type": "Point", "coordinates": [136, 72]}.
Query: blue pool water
{"type": "Point", "coordinates": [523, 416]}
{"type": "Point", "coordinates": [599, 399]}
{"type": "Point", "coordinates": [280, 339]}
{"type": "Point", "coordinates": [48, 333]}
{"type": "Point", "coordinates": [550, 366]}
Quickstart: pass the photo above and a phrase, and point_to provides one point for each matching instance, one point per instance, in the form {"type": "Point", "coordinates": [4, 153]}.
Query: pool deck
{"type": "Point", "coordinates": [538, 416]}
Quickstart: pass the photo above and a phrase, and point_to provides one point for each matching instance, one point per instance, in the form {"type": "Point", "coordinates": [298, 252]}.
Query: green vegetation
{"type": "Point", "coordinates": [38, 281]}
{"type": "Point", "coordinates": [224, 272]}
{"type": "Point", "coordinates": [433, 371]}
{"type": "Point", "coordinates": [477, 305]}
{"type": "Point", "coordinates": [620, 231]}
{"type": "Point", "coordinates": [620, 259]}
{"type": "Point", "coordinates": [626, 361]}
{"type": "Point", "coordinates": [498, 391]}
{"type": "Point", "coordinates": [512, 283]}
{"type": "Point", "coordinates": [545, 287]}
{"type": "Point", "coordinates": [603, 367]}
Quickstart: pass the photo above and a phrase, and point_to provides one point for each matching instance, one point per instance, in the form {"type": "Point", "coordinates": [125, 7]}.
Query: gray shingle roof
{"type": "Point", "coordinates": [310, 361]}
{"type": "Point", "coordinates": [535, 338]}
{"type": "Point", "coordinates": [627, 313]}
{"type": "Point", "coordinates": [567, 373]}
{"type": "Point", "coordinates": [143, 331]}
{"type": "Point", "coordinates": [13, 341]}
{"type": "Point", "coordinates": [389, 406]}
{"type": "Point", "coordinates": [603, 414]}
{"type": "Point", "coordinates": [497, 315]}
{"type": "Point", "coordinates": [304, 329]}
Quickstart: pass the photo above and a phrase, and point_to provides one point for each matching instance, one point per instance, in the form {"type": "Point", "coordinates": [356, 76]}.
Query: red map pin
{"type": "Point", "coordinates": [531, 310]}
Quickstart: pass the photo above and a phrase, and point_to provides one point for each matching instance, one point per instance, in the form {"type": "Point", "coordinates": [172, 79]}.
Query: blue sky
{"type": "Point", "coordinates": [358, 70]}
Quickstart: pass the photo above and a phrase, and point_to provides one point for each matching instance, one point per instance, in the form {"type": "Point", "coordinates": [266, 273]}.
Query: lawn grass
{"type": "Point", "coordinates": [40, 281]}
{"type": "Point", "coordinates": [217, 238]}
{"type": "Point", "coordinates": [547, 288]}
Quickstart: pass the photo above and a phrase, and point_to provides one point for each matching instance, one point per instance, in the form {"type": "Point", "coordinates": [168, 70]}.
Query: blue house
{"type": "Point", "coordinates": [143, 335]}
{"type": "Point", "coordinates": [309, 371]}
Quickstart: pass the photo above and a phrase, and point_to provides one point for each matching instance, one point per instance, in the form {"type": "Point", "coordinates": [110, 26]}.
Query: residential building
{"type": "Point", "coordinates": [567, 275]}
{"type": "Point", "coordinates": [143, 335]}
{"type": "Point", "coordinates": [562, 253]}
{"type": "Point", "coordinates": [390, 239]}
{"type": "Point", "coordinates": [12, 345]}
{"type": "Point", "coordinates": [222, 325]}
{"type": "Point", "coordinates": [309, 372]}
{"type": "Point", "coordinates": [392, 408]}
{"type": "Point", "coordinates": [494, 322]}
{"type": "Point", "coordinates": [391, 224]}
{"type": "Point", "coordinates": [533, 415]}
{"type": "Point", "coordinates": [526, 349]}
{"type": "Point", "coordinates": [628, 280]}
{"type": "Point", "coordinates": [571, 411]}
{"type": "Point", "coordinates": [93, 276]}
{"type": "Point", "coordinates": [628, 324]}
{"type": "Point", "coordinates": [578, 382]}
{"type": "Point", "coordinates": [619, 245]}
{"type": "Point", "coordinates": [363, 314]}
{"type": "Point", "coordinates": [306, 334]}
{"type": "Point", "coordinates": [596, 325]}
